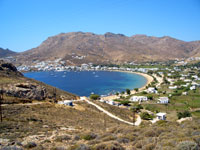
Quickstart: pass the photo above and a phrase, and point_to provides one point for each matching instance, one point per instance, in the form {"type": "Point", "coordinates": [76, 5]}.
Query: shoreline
{"type": "Point", "coordinates": [146, 76]}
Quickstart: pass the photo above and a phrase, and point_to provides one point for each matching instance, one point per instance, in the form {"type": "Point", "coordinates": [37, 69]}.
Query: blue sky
{"type": "Point", "coordinates": [26, 23]}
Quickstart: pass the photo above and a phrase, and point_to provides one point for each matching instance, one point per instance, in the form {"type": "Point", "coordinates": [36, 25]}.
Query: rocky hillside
{"type": "Point", "coordinates": [6, 53]}
{"type": "Point", "coordinates": [110, 47]}
{"type": "Point", "coordinates": [18, 88]}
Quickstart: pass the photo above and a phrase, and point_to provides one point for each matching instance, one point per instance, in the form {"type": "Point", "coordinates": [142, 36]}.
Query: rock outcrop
{"type": "Point", "coordinates": [26, 90]}
{"type": "Point", "coordinates": [8, 69]}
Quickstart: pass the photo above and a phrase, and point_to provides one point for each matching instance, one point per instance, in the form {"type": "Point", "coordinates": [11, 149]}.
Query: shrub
{"type": "Point", "coordinates": [136, 89]}
{"type": "Point", "coordinates": [183, 114]}
{"type": "Point", "coordinates": [146, 116]}
{"type": "Point", "coordinates": [150, 97]}
{"type": "Point", "coordinates": [144, 92]}
{"type": "Point", "coordinates": [30, 145]}
{"type": "Point", "coordinates": [62, 138]}
{"type": "Point", "coordinates": [187, 145]}
{"type": "Point", "coordinates": [79, 147]}
{"type": "Point", "coordinates": [89, 136]}
{"type": "Point", "coordinates": [125, 102]}
{"type": "Point", "coordinates": [150, 133]}
{"type": "Point", "coordinates": [109, 146]}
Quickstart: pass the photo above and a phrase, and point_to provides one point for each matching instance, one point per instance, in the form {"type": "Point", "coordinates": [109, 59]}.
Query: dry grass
{"type": "Point", "coordinates": [61, 127]}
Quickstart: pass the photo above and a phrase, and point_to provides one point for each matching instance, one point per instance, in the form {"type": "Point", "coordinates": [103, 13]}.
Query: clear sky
{"type": "Point", "coordinates": [26, 23]}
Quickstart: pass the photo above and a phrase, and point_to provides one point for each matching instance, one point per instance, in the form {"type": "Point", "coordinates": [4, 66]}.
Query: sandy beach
{"type": "Point", "coordinates": [148, 78]}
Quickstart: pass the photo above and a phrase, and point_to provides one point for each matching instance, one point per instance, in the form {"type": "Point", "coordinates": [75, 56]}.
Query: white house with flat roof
{"type": "Point", "coordinates": [161, 116]}
{"type": "Point", "coordinates": [163, 100]}
{"type": "Point", "coordinates": [66, 102]}
{"type": "Point", "coordinates": [138, 98]}
{"type": "Point", "coordinates": [151, 90]}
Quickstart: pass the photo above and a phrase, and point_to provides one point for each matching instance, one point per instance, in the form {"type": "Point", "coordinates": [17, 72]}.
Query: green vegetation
{"type": "Point", "coordinates": [136, 89]}
{"type": "Point", "coordinates": [183, 114]}
{"type": "Point", "coordinates": [94, 96]}
{"type": "Point", "coordinates": [146, 116]}
{"type": "Point", "coordinates": [128, 91]}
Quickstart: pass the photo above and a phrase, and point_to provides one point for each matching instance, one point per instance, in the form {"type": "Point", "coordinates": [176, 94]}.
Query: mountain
{"type": "Point", "coordinates": [6, 53]}
{"type": "Point", "coordinates": [110, 48]}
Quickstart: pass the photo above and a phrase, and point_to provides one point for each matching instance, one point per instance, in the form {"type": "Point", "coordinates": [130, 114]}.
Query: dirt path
{"type": "Point", "coordinates": [137, 123]}
{"type": "Point", "coordinates": [26, 104]}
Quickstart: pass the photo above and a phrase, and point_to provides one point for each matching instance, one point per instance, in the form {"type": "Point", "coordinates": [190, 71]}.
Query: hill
{"type": "Point", "coordinates": [80, 47]}
{"type": "Point", "coordinates": [6, 53]}
{"type": "Point", "coordinates": [18, 88]}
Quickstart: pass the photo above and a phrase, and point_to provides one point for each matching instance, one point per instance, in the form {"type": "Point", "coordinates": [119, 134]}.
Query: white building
{"type": "Point", "coordinates": [66, 102]}
{"type": "Point", "coordinates": [172, 87]}
{"type": "Point", "coordinates": [193, 88]}
{"type": "Point", "coordinates": [163, 100]}
{"type": "Point", "coordinates": [138, 98]}
{"type": "Point", "coordinates": [161, 116]}
{"type": "Point", "coordinates": [152, 90]}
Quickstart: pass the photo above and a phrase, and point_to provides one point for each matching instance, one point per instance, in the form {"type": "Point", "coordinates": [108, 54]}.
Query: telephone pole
{"type": "Point", "coordinates": [1, 99]}
{"type": "Point", "coordinates": [54, 95]}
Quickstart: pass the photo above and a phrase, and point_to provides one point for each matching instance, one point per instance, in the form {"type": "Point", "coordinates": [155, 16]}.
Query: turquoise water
{"type": "Point", "coordinates": [85, 82]}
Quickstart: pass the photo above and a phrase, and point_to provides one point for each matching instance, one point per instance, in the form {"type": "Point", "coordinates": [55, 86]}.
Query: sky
{"type": "Point", "coordinates": [25, 24]}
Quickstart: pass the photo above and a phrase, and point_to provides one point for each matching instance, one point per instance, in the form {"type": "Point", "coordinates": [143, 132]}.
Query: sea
{"type": "Point", "coordinates": [85, 83]}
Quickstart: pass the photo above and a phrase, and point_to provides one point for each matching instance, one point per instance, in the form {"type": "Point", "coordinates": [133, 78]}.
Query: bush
{"type": "Point", "coordinates": [136, 89]}
{"type": "Point", "coordinates": [94, 96]}
{"type": "Point", "coordinates": [125, 102]}
{"type": "Point", "coordinates": [144, 92]}
{"type": "Point", "coordinates": [109, 146]}
{"type": "Point", "coordinates": [150, 97]}
{"type": "Point", "coordinates": [63, 138]}
{"type": "Point", "coordinates": [30, 145]}
{"type": "Point", "coordinates": [187, 145]}
{"type": "Point", "coordinates": [146, 116]}
{"type": "Point", "coordinates": [89, 136]}
{"type": "Point", "coordinates": [183, 114]}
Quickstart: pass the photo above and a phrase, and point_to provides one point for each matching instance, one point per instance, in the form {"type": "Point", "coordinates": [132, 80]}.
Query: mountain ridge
{"type": "Point", "coordinates": [6, 52]}
{"type": "Point", "coordinates": [110, 48]}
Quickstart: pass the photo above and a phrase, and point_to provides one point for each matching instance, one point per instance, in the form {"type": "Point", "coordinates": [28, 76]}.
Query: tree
{"type": "Point", "coordinates": [94, 96]}
{"type": "Point", "coordinates": [146, 116]}
{"type": "Point", "coordinates": [150, 97]}
{"type": "Point", "coordinates": [128, 91]}
{"type": "Point", "coordinates": [117, 93]}
{"type": "Point", "coordinates": [136, 89]}
{"type": "Point", "coordinates": [122, 92]}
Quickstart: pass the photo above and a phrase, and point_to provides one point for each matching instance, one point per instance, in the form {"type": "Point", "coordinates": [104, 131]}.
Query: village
{"type": "Point", "coordinates": [172, 95]}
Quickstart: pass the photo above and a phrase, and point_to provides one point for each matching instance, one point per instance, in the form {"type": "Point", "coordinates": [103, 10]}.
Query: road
{"type": "Point", "coordinates": [137, 123]}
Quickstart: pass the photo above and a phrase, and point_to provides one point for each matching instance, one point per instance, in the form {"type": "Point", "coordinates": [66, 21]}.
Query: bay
{"type": "Point", "coordinates": [84, 83]}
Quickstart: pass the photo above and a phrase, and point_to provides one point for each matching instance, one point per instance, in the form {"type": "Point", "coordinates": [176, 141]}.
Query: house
{"type": "Point", "coordinates": [163, 100]}
{"type": "Point", "coordinates": [110, 102]}
{"type": "Point", "coordinates": [193, 87]}
{"type": "Point", "coordinates": [66, 102]}
{"type": "Point", "coordinates": [161, 116]}
{"type": "Point", "coordinates": [152, 90]}
{"type": "Point", "coordinates": [185, 93]}
{"type": "Point", "coordinates": [138, 98]}
{"type": "Point", "coordinates": [172, 87]}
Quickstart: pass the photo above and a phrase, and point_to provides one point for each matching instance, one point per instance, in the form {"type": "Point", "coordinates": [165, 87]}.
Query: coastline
{"type": "Point", "coordinates": [146, 76]}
